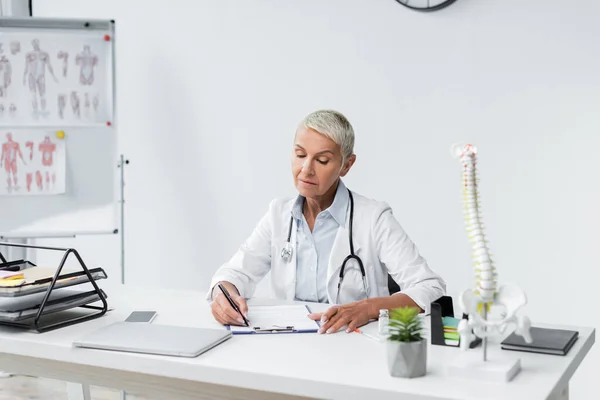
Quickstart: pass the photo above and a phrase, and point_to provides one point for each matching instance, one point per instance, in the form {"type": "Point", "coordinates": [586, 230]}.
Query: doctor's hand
{"type": "Point", "coordinates": [350, 315]}
{"type": "Point", "coordinates": [222, 310]}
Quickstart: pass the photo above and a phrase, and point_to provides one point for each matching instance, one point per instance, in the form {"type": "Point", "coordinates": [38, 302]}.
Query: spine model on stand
{"type": "Point", "coordinates": [485, 272]}
{"type": "Point", "coordinates": [478, 302]}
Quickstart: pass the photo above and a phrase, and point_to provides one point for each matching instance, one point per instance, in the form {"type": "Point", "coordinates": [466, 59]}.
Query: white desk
{"type": "Point", "coordinates": [336, 366]}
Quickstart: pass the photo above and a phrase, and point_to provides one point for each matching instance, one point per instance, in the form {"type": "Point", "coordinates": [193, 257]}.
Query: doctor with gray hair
{"type": "Point", "coordinates": [328, 244]}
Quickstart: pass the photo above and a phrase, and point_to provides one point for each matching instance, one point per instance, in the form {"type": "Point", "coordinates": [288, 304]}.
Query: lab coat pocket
{"type": "Point", "coordinates": [352, 288]}
{"type": "Point", "coordinates": [283, 270]}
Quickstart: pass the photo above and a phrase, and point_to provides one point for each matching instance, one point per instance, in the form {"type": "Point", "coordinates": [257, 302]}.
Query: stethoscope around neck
{"type": "Point", "coordinates": [288, 251]}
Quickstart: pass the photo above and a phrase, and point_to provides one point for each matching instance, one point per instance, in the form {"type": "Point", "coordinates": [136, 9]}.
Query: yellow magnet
{"type": "Point", "coordinates": [60, 134]}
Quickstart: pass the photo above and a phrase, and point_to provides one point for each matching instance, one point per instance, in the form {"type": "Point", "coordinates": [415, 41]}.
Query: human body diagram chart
{"type": "Point", "coordinates": [32, 163]}
{"type": "Point", "coordinates": [55, 79]}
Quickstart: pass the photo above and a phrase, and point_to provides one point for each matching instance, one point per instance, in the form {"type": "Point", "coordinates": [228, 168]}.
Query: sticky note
{"type": "Point", "coordinates": [11, 282]}
{"type": "Point", "coordinates": [450, 322]}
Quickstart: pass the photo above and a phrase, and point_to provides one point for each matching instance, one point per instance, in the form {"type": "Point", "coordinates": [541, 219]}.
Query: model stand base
{"type": "Point", "coordinates": [470, 365]}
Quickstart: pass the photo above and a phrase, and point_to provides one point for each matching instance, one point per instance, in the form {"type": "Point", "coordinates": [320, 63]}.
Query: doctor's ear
{"type": "Point", "coordinates": [349, 163]}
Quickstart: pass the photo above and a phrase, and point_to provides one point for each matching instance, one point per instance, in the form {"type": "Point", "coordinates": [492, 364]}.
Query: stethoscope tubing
{"type": "Point", "coordinates": [287, 251]}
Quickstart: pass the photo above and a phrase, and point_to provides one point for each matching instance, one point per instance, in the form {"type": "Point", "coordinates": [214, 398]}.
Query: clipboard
{"type": "Point", "coordinates": [276, 320]}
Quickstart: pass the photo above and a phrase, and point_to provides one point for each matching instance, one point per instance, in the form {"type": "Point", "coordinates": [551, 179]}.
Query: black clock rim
{"type": "Point", "coordinates": [434, 8]}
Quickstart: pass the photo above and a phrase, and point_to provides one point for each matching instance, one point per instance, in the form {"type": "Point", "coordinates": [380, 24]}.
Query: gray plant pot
{"type": "Point", "coordinates": [407, 359]}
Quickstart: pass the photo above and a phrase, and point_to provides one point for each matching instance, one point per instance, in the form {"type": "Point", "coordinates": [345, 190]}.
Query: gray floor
{"type": "Point", "coordinates": [32, 388]}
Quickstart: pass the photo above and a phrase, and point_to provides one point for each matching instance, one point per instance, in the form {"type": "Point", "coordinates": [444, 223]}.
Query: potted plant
{"type": "Point", "coordinates": [406, 347]}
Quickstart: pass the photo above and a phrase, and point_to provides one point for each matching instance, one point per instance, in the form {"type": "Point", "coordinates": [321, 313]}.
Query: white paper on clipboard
{"type": "Point", "coordinates": [274, 318]}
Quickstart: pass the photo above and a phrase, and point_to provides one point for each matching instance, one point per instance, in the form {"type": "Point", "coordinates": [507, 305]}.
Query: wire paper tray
{"type": "Point", "coordinates": [36, 305]}
{"type": "Point", "coordinates": [64, 280]}
{"type": "Point", "coordinates": [23, 308]}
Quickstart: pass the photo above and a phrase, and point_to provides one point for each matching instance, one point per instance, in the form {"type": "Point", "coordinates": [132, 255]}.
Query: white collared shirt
{"type": "Point", "coordinates": [314, 248]}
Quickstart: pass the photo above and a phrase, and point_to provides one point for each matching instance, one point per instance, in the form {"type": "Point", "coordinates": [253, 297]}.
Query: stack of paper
{"type": "Point", "coordinates": [30, 275]}
{"type": "Point", "coordinates": [11, 278]}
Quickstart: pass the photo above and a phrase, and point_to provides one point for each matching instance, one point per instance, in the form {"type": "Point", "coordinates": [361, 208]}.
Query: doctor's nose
{"type": "Point", "coordinates": [307, 167]}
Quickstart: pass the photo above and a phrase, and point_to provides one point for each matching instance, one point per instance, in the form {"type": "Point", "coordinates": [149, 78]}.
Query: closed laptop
{"type": "Point", "coordinates": [154, 339]}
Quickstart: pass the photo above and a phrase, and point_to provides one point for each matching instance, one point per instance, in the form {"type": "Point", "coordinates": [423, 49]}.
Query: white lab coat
{"type": "Point", "coordinates": [379, 241]}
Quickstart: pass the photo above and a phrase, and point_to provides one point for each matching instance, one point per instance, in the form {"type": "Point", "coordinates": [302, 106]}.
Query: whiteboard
{"type": "Point", "coordinates": [57, 100]}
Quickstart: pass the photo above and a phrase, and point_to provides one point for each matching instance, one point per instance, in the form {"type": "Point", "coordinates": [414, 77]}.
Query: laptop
{"type": "Point", "coordinates": [154, 339]}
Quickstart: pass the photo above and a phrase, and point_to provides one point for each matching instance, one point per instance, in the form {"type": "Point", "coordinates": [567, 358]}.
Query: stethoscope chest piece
{"type": "Point", "coordinates": [286, 252]}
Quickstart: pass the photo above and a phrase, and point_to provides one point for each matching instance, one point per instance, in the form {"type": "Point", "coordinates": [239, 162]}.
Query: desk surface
{"type": "Point", "coordinates": [335, 366]}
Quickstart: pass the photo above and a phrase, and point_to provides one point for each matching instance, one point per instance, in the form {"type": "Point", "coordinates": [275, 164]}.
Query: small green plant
{"type": "Point", "coordinates": [405, 325]}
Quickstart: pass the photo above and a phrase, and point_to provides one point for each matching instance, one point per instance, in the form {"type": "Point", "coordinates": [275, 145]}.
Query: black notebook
{"type": "Point", "coordinates": [545, 340]}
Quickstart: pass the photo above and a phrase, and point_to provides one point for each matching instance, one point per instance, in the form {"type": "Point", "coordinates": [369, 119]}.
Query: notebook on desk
{"type": "Point", "coordinates": [277, 319]}
{"type": "Point", "coordinates": [545, 340]}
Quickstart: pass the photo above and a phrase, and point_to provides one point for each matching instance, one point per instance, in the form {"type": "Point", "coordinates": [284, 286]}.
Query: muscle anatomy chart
{"type": "Point", "coordinates": [87, 61]}
{"type": "Point", "coordinates": [36, 62]}
{"type": "Point", "coordinates": [64, 56]}
{"type": "Point", "coordinates": [5, 73]}
{"type": "Point", "coordinates": [33, 163]}
{"type": "Point", "coordinates": [55, 79]}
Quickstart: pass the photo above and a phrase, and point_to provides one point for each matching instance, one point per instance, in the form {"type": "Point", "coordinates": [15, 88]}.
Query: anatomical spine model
{"type": "Point", "coordinates": [478, 301]}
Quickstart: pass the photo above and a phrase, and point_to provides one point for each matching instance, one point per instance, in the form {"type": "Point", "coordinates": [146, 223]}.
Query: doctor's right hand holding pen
{"type": "Point", "coordinates": [222, 309]}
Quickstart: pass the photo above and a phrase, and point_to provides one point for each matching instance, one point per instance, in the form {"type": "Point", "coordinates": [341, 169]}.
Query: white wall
{"type": "Point", "coordinates": [209, 94]}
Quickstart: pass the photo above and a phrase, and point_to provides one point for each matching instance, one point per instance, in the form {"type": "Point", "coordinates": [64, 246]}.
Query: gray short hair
{"type": "Point", "coordinates": [335, 126]}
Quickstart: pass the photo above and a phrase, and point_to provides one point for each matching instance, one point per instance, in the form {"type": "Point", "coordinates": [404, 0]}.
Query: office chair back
{"type": "Point", "coordinates": [392, 285]}
{"type": "Point", "coordinates": [445, 302]}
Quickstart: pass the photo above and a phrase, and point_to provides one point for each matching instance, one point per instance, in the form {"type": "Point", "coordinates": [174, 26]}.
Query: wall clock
{"type": "Point", "coordinates": [426, 5]}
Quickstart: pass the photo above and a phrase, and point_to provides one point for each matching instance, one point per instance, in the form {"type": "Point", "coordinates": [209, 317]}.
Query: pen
{"type": "Point", "coordinates": [367, 335]}
{"type": "Point", "coordinates": [230, 300]}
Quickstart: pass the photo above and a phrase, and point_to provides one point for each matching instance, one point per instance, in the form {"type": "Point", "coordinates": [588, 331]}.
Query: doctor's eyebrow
{"type": "Point", "coordinates": [321, 152]}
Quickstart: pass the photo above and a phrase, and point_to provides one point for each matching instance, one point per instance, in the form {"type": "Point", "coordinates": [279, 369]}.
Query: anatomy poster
{"type": "Point", "coordinates": [32, 163]}
{"type": "Point", "coordinates": [55, 78]}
